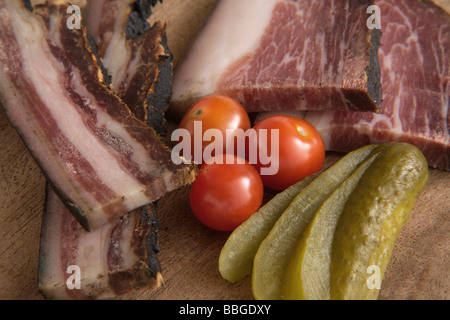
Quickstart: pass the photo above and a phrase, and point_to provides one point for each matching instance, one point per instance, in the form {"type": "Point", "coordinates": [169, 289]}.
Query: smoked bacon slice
{"type": "Point", "coordinates": [110, 261]}
{"type": "Point", "coordinates": [101, 160]}
{"type": "Point", "coordinates": [135, 55]}
{"type": "Point", "coordinates": [123, 254]}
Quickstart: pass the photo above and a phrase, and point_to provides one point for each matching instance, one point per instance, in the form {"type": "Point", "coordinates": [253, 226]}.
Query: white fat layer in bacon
{"type": "Point", "coordinates": [89, 253]}
{"type": "Point", "coordinates": [244, 18]}
{"type": "Point", "coordinates": [321, 121]}
{"type": "Point", "coordinates": [50, 266]}
{"type": "Point", "coordinates": [92, 249]}
{"type": "Point", "coordinates": [129, 259]}
{"type": "Point", "coordinates": [133, 65]}
{"type": "Point", "coordinates": [118, 54]}
{"type": "Point", "coordinates": [105, 121]}
{"type": "Point", "coordinates": [116, 58]}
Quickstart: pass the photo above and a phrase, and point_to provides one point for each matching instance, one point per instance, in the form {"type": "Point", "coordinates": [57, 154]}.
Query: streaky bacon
{"type": "Point", "coordinates": [112, 260]}
{"type": "Point", "coordinates": [119, 256]}
{"type": "Point", "coordinates": [101, 160]}
{"type": "Point", "coordinates": [134, 53]}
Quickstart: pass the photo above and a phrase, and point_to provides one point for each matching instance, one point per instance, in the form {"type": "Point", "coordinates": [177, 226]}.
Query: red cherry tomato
{"type": "Point", "coordinates": [215, 112]}
{"type": "Point", "coordinates": [301, 150]}
{"type": "Point", "coordinates": [225, 195]}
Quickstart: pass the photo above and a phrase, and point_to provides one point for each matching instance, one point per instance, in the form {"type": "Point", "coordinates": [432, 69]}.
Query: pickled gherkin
{"type": "Point", "coordinates": [236, 257]}
{"type": "Point", "coordinates": [274, 252]}
{"type": "Point", "coordinates": [334, 239]}
{"type": "Point", "coordinates": [372, 219]}
{"type": "Point", "coordinates": [307, 276]}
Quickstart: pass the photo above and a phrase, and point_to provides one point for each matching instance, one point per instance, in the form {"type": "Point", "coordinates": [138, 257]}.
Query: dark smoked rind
{"type": "Point", "coordinates": [158, 101]}
{"type": "Point", "coordinates": [137, 23]}
{"type": "Point", "coordinates": [159, 97]}
{"type": "Point", "coordinates": [373, 72]}
{"type": "Point", "coordinates": [147, 271]}
{"type": "Point", "coordinates": [94, 49]}
{"type": "Point", "coordinates": [27, 4]}
{"type": "Point", "coordinates": [146, 89]}
{"type": "Point", "coordinates": [149, 218]}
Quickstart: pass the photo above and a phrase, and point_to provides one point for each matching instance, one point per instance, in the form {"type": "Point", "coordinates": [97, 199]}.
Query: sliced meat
{"type": "Point", "coordinates": [102, 161]}
{"type": "Point", "coordinates": [284, 55]}
{"type": "Point", "coordinates": [134, 54]}
{"type": "Point", "coordinates": [415, 68]}
{"type": "Point", "coordinates": [119, 256]}
{"type": "Point", "coordinates": [110, 261]}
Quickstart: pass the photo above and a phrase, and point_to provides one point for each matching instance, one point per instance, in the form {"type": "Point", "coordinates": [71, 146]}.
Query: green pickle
{"type": "Point", "coordinates": [372, 219]}
{"type": "Point", "coordinates": [307, 276]}
{"type": "Point", "coordinates": [275, 250]}
{"type": "Point", "coordinates": [236, 257]}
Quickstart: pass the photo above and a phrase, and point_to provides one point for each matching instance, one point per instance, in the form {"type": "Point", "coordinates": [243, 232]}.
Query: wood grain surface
{"type": "Point", "coordinates": [419, 268]}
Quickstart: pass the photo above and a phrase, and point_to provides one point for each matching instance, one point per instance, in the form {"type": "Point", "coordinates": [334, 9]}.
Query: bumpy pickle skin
{"type": "Point", "coordinates": [372, 219]}
{"type": "Point", "coordinates": [236, 257]}
{"type": "Point", "coordinates": [307, 276]}
{"type": "Point", "coordinates": [274, 252]}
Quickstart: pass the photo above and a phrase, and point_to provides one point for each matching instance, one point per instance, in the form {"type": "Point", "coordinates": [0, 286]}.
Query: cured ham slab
{"type": "Point", "coordinates": [415, 68]}
{"type": "Point", "coordinates": [284, 54]}
{"type": "Point", "coordinates": [110, 261]}
{"type": "Point", "coordinates": [101, 160]}
{"type": "Point", "coordinates": [135, 55]}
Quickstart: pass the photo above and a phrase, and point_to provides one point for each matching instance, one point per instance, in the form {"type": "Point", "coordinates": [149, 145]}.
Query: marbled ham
{"type": "Point", "coordinates": [284, 55]}
{"type": "Point", "coordinates": [415, 66]}
{"type": "Point", "coordinates": [102, 161]}
{"type": "Point", "coordinates": [413, 57]}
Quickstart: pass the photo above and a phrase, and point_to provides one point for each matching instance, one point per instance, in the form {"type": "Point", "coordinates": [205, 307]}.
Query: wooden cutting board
{"type": "Point", "coordinates": [419, 268]}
